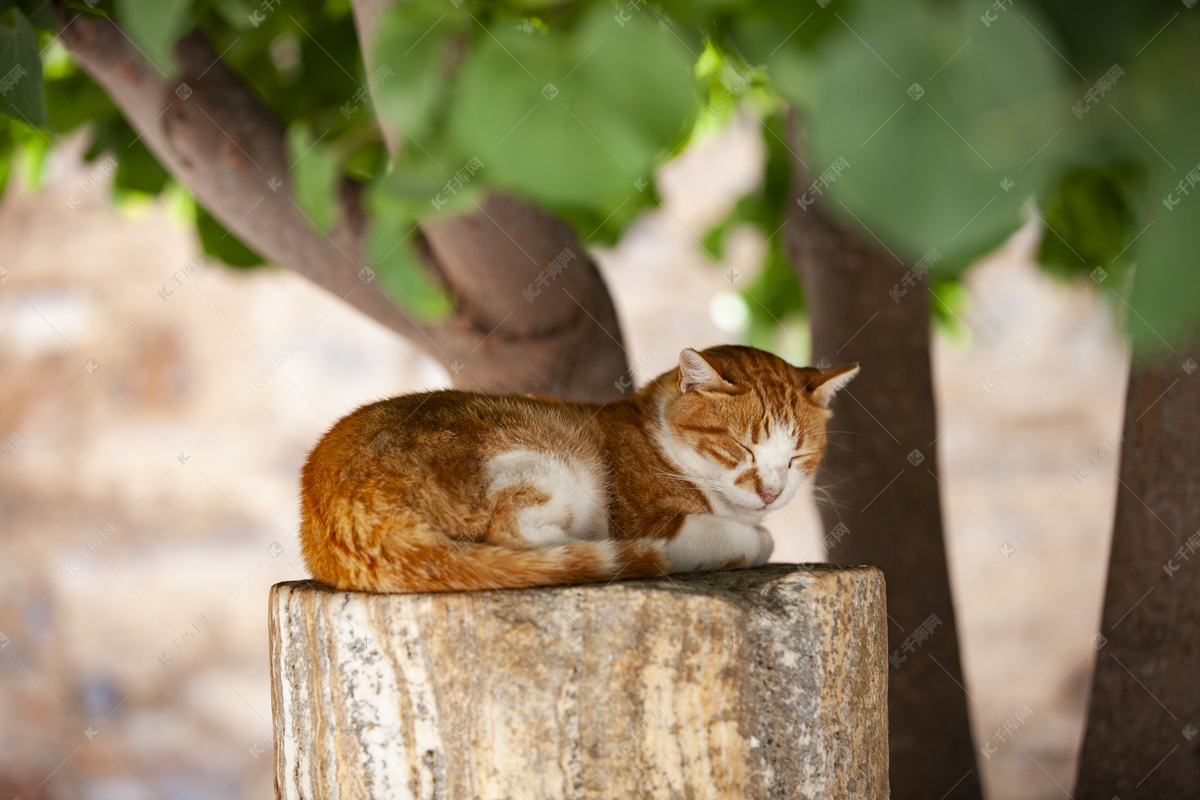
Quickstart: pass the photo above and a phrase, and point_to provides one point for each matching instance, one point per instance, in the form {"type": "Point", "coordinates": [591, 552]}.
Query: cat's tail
{"type": "Point", "coordinates": [352, 547]}
{"type": "Point", "coordinates": [472, 566]}
{"type": "Point", "coordinates": [479, 566]}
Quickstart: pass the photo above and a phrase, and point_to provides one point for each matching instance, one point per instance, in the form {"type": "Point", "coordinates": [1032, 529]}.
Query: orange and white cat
{"type": "Point", "coordinates": [446, 491]}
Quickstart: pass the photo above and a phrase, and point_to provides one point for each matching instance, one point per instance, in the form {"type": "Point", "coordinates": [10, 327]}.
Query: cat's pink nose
{"type": "Point", "coordinates": [767, 497]}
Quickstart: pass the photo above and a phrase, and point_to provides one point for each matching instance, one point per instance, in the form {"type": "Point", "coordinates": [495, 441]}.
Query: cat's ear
{"type": "Point", "coordinates": [824, 384]}
{"type": "Point", "coordinates": [697, 375]}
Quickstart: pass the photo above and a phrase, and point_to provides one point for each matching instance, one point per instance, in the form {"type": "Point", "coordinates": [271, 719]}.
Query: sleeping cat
{"type": "Point", "coordinates": [447, 491]}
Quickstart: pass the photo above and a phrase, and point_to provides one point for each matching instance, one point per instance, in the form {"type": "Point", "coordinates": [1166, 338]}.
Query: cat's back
{"type": "Point", "coordinates": [454, 427]}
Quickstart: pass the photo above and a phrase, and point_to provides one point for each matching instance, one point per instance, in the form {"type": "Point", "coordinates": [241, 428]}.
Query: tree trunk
{"type": "Point", "coordinates": [762, 683]}
{"type": "Point", "coordinates": [1142, 738]}
{"type": "Point", "coordinates": [218, 139]}
{"type": "Point", "coordinates": [880, 473]}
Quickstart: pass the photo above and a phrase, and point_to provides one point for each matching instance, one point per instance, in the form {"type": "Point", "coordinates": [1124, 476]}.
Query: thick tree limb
{"type": "Point", "coordinates": [216, 137]}
{"type": "Point", "coordinates": [1141, 739]}
{"type": "Point", "coordinates": [881, 470]}
{"type": "Point", "coordinates": [495, 253]}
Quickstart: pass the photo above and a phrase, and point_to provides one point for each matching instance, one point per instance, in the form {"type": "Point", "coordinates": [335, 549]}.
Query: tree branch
{"type": "Point", "coordinates": [217, 138]}
{"type": "Point", "coordinates": [489, 256]}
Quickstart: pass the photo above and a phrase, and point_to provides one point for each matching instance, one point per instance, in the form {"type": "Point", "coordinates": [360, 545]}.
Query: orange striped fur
{"type": "Point", "coordinates": [448, 491]}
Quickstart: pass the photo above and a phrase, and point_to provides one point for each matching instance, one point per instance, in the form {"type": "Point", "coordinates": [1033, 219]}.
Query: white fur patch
{"type": "Point", "coordinates": [577, 505]}
{"type": "Point", "coordinates": [766, 546]}
{"type": "Point", "coordinates": [709, 542]}
{"type": "Point", "coordinates": [773, 456]}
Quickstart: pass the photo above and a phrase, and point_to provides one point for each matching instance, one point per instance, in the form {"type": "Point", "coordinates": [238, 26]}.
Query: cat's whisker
{"type": "Point", "coordinates": [823, 497]}
{"type": "Point", "coordinates": [834, 507]}
{"type": "Point", "coordinates": [835, 483]}
{"type": "Point", "coordinates": [848, 433]}
{"type": "Point", "coordinates": [696, 481]}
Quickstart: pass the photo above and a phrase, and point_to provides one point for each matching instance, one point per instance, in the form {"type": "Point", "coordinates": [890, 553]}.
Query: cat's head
{"type": "Point", "coordinates": [746, 425]}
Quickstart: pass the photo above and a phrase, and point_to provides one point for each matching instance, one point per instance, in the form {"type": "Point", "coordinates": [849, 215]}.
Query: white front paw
{"type": "Point", "coordinates": [766, 546]}
{"type": "Point", "coordinates": [707, 542]}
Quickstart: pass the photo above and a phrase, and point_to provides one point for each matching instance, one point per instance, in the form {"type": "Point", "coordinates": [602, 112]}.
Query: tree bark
{"type": "Point", "coordinates": [758, 683]}
{"type": "Point", "coordinates": [217, 138]}
{"type": "Point", "coordinates": [1142, 738]}
{"type": "Point", "coordinates": [881, 478]}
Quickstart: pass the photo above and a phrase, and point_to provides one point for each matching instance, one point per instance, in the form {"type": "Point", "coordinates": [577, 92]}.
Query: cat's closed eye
{"type": "Point", "coordinates": [797, 457]}
{"type": "Point", "coordinates": [749, 452]}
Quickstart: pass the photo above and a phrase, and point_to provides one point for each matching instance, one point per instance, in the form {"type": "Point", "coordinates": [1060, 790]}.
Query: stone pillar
{"type": "Point", "coordinates": [763, 683]}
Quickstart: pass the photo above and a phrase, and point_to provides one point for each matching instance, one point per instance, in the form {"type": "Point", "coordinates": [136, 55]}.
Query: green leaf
{"type": "Point", "coordinates": [395, 203]}
{"type": "Point", "coordinates": [947, 125]}
{"type": "Point", "coordinates": [713, 240]}
{"type": "Point", "coordinates": [390, 248]}
{"type": "Point", "coordinates": [238, 14]}
{"type": "Point", "coordinates": [772, 297]}
{"type": "Point", "coordinates": [222, 244]}
{"type": "Point", "coordinates": [22, 95]}
{"type": "Point", "coordinates": [1162, 104]}
{"type": "Point", "coordinates": [603, 225]}
{"type": "Point", "coordinates": [1095, 34]}
{"type": "Point", "coordinates": [6, 153]}
{"type": "Point", "coordinates": [948, 303]}
{"type": "Point", "coordinates": [155, 26]}
{"type": "Point", "coordinates": [366, 162]}
{"type": "Point", "coordinates": [419, 191]}
{"type": "Point", "coordinates": [773, 30]}
{"type": "Point", "coordinates": [775, 291]}
{"type": "Point", "coordinates": [315, 176]}
{"type": "Point", "coordinates": [411, 50]}
{"type": "Point", "coordinates": [29, 154]}
{"type": "Point", "coordinates": [39, 12]}
{"type": "Point", "coordinates": [1164, 301]}
{"type": "Point", "coordinates": [573, 117]}
{"type": "Point", "coordinates": [138, 170]}
{"type": "Point", "coordinates": [75, 99]}
{"type": "Point", "coordinates": [1088, 219]}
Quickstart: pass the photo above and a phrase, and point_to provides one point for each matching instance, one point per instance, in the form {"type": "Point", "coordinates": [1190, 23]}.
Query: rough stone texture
{"type": "Point", "coordinates": [766, 683]}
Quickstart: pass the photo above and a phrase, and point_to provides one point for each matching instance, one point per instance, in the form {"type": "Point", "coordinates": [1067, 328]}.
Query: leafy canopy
{"type": "Point", "coordinates": [934, 126]}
